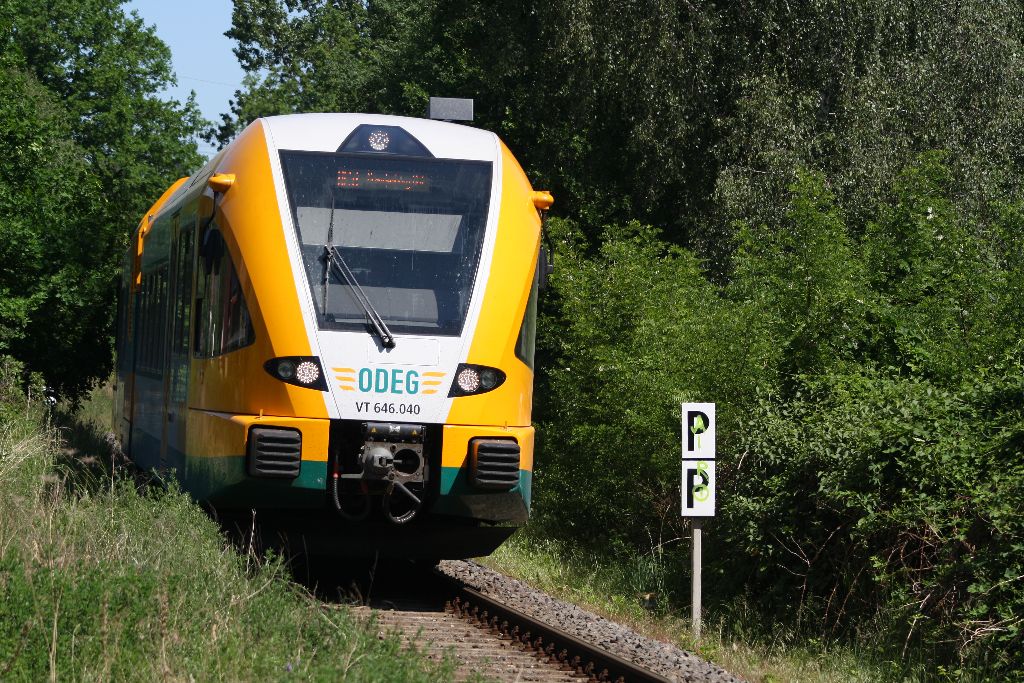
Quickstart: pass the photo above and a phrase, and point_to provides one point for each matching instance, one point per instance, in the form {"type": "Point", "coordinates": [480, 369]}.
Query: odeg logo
{"type": "Point", "coordinates": [698, 459]}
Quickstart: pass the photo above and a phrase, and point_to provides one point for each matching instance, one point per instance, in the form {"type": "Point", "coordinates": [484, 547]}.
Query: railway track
{"type": "Point", "coordinates": [498, 641]}
{"type": "Point", "coordinates": [475, 651]}
{"type": "Point", "coordinates": [446, 616]}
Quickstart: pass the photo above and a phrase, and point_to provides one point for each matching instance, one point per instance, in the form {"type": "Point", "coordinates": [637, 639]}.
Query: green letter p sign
{"type": "Point", "coordinates": [698, 459]}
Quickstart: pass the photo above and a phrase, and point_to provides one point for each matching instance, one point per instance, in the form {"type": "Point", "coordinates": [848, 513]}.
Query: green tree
{"type": "Point", "coordinates": [936, 278]}
{"type": "Point", "coordinates": [312, 56]}
{"type": "Point", "coordinates": [91, 145]}
{"type": "Point", "coordinates": [43, 172]}
{"type": "Point", "coordinates": [687, 117]}
{"type": "Point", "coordinates": [804, 275]}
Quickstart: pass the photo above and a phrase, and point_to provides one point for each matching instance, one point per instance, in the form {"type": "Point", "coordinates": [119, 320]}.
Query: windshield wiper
{"type": "Point", "coordinates": [335, 259]}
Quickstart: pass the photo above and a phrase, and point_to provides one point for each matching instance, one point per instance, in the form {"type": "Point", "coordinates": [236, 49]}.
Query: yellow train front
{"type": "Point", "coordinates": [332, 324]}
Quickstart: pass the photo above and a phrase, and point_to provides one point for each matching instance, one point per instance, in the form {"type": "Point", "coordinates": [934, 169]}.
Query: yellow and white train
{"type": "Point", "coordinates": [332, 324]}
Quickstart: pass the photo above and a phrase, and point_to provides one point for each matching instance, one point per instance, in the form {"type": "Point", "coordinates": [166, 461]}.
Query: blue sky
{"type": "Point", "coordinates": [203, 61]}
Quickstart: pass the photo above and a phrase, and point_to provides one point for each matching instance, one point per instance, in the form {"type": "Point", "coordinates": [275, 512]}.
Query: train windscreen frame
{"type": "Point", "coordinates": [411, 230]}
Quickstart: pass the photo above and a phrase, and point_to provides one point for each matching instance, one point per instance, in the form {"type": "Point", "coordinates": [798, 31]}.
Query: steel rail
{"type": "Point", "coordinates": [562, 649]}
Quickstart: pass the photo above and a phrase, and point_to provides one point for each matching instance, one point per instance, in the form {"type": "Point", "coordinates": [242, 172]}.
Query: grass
{"type": "Point", "coordinates": [101, 578]}
{"type": "Point", "coordinates": [630, 591]}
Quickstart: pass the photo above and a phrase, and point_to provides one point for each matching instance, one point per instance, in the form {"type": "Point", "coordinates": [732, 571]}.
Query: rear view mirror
{"type": "Point", "coordinates": [543, 200]}
{"type": "Point", "coordinates": [221, 182]}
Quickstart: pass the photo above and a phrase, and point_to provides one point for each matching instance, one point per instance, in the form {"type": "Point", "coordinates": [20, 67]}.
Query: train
{"type": "Point", "coordinates": [327, 333]}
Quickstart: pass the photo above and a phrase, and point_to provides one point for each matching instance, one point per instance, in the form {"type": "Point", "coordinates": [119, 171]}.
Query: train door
{"type": "Point", "coordinates": [178, 352]}
{"type": "Point", "coordinates": [133, 340]}
{"type": "Point", "coordinates": [125, 376]}
{"type": "Point", "coordinates": [149, 366]}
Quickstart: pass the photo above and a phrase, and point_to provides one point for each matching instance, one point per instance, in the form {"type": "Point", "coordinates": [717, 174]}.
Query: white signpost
{"type": "Point", "coordinates": [698, 489]}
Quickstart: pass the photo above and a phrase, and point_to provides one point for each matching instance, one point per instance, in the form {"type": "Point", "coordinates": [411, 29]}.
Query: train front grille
{"type": "Point", "coordinates": [274, 452]}
{"type": "Point", "coordinates": [495, 463]}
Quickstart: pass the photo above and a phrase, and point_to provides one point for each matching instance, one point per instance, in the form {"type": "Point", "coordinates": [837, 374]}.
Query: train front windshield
{"type": "Point", "coordinates": [410, 230]}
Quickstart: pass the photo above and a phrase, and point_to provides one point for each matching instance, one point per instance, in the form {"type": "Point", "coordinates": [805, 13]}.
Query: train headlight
{"type": "Point", "coordinates": [379, 140]}
{"type": "Point", "coordinates": [286, 370]}
{"type": "Point", "coordinates": [468, 380]}
{"type": "Point", "coordinates": [489, 378]}
{"type": "Point", "coordinates": [302, 371]}
{"type": "Point", "coordinates": [307, 372]}
{"type": "Point", "coordinates": [475, 379]}
{"type": "Point", "coordinates": [370, 139]}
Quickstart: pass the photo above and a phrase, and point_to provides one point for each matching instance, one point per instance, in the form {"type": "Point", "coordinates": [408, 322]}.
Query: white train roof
{"type": "Point", "coordinates": [326, 132]}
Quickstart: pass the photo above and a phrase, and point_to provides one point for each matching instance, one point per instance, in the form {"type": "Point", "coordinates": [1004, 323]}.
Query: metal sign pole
{"type": "Point", "coordinates": [695, 586]}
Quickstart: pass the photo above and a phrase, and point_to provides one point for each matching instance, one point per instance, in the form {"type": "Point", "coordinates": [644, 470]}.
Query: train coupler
{"type": "Point", "coordinates": [391, 464]}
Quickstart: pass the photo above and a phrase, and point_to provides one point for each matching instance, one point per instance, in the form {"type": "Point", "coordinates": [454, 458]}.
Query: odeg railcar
{"type": "Point", "coordinates": [331, 326]}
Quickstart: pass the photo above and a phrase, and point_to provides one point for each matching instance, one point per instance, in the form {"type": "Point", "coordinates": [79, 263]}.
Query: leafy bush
{"type": "Point", "coordinates": [893, 500]}
{"type": "Point", "coordinates": [639, 330]}
{"type": "Point", "coordinates": [869, 414]}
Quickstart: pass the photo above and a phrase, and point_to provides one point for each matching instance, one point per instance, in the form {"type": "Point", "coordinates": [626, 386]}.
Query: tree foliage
{"type": "Point", "coordinates": [88, 145]}
{"type": "Point", "coordinates": [688, 116]}
{"type": "Point", "coordinates": [870, 415]}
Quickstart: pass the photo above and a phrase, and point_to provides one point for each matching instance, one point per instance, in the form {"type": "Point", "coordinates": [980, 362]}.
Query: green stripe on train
{"type": "Point", "coordinates": [224, 481]}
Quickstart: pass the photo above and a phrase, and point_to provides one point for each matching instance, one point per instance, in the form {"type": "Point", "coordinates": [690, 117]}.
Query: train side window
{"type": "Point", "coordinates": [159, 321]}
{"type": "Point", "coordinates": [222, 322]}
{"type": "Point", "coordinates": [145, 362]}
{"type": "Point", "coordinates": [152, 316]}
{"type": "Point", "coordinates": [528, 329]}
{"type": "Point", "coordinates": [149, 341]}
{"type": "Point", "coordinates": [181, 303]}
{"type": "Point", "coordinates": [140, 339]}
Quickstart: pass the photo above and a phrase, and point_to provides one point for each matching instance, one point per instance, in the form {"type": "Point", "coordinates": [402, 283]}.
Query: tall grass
{"type": "Point", "coordinates": [103, 579]}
